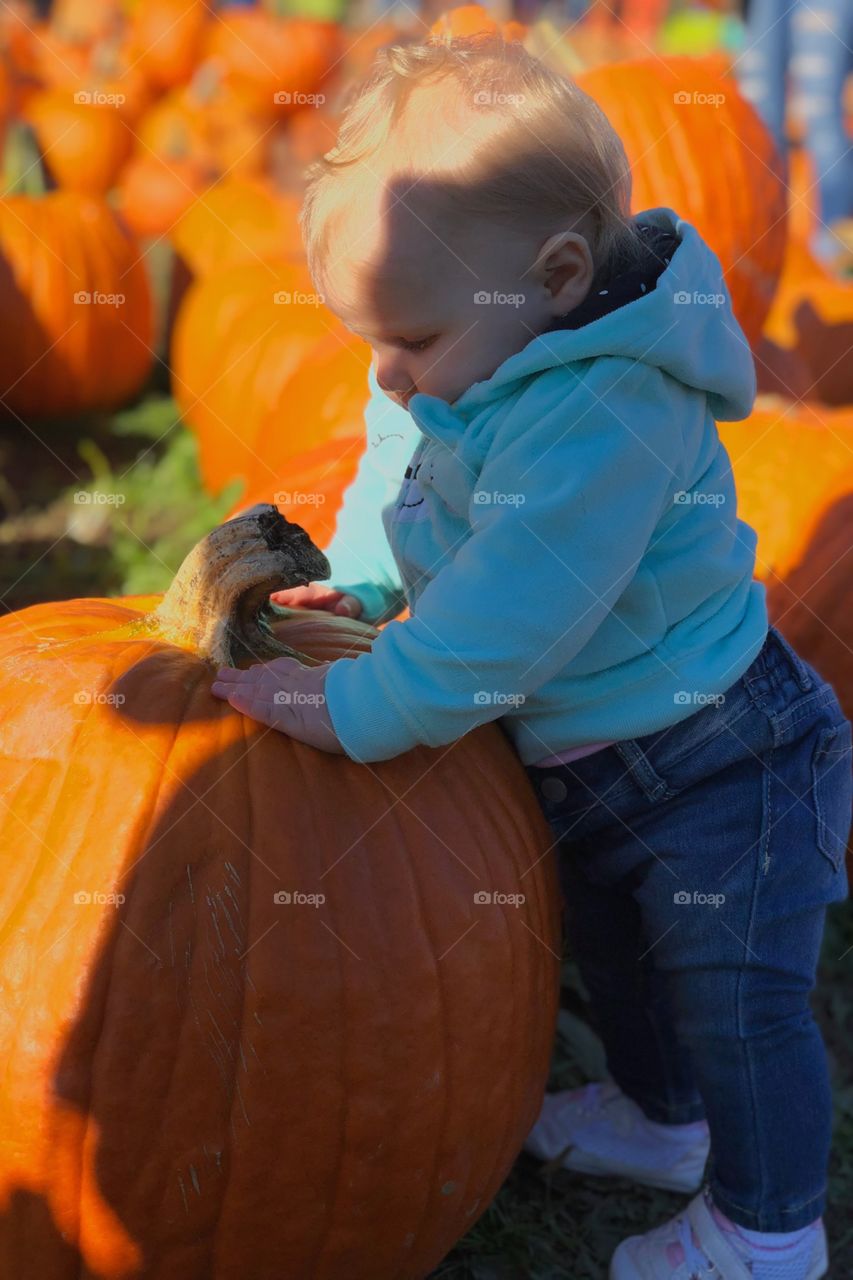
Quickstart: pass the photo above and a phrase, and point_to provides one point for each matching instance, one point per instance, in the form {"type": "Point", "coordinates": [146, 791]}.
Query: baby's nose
{"type": "Point", "coordinates": [395, 388]}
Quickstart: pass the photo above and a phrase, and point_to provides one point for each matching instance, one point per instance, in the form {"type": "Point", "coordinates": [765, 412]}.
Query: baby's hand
{"type": "Point", "coordinates": [316, 596]}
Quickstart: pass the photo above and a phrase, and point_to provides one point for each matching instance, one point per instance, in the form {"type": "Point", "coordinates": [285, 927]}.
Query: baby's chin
{"type": "Point", "coordinates": [487, 371]}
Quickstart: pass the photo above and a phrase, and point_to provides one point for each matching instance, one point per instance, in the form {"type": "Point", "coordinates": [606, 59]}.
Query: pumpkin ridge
{"type": "Point", "coordinates": [517, 844]}
{"type": "Point", "coordinates": [244, 977]}
{"type": "Point", "coordinates": [441, 1015]}
{"type": "Point", "coordinates": [163, 761]}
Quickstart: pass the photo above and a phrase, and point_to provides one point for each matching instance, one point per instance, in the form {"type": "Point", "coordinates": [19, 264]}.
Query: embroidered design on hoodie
{"type": "Point", "coordinates": [410, 505]}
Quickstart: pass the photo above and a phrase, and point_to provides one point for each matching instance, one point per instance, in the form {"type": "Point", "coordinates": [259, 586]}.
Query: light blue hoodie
{"type": "Point", "coordinates": [565, 536]}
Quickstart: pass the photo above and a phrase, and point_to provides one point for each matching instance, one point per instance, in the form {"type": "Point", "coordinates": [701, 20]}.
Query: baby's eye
{"type": "Point", "coordinates": [420, 345]}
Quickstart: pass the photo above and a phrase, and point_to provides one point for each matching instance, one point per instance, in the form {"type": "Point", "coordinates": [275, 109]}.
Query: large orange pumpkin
{"type": "Point", "coordinates": [76, 306]}
{"type": "Point", "coordinates": [239, 220]}
{"type": "Point", "coordinates": [316, 480]}
{"type": "Point", "coordinates": [241, 338]}
{"type": "Point", "coordinates": [249, 991]}
{"type": "Point", "coordinates": [790, 462]}
{"type": "Point", "coordinates": [697, 146]}
{"type": "Point", "coordinates": [313, 437]}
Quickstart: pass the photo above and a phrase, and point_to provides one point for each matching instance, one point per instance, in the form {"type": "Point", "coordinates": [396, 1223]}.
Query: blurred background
{"type": "Point", "coordinates": [152, 377]}
{"type": "Point", "coordinates": [166, 361]}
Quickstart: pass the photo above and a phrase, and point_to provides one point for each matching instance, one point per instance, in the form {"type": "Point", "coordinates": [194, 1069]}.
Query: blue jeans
{"type": "Point", "coordinates": [815, 40]}
{"type": "Point", "coordinates": [696, 865]}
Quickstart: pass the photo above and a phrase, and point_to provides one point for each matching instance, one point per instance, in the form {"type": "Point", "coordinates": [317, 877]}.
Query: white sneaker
{"type": "Point", "coordinates": [692, 1247]}
{"type": "Point", "coordinates": [599, 1130]}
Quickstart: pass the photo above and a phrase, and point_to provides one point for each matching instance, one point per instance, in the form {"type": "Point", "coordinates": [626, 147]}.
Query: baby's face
{"type": "Point", "coordinates": [441, 312]}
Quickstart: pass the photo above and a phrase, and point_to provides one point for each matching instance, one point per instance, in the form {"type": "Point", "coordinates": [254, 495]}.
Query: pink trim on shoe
{"type": "Point", "coordinates": [683, 1248]}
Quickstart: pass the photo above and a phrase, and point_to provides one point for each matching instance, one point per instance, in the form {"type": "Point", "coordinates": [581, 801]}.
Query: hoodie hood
{"type": "Point", "coordinates": [684, 326]}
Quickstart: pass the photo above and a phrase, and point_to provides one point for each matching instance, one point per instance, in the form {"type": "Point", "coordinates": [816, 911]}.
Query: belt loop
{"type": "Point", "coordinates": [651, 783]}
{"type": "Point", "coordinates": [804, 679]}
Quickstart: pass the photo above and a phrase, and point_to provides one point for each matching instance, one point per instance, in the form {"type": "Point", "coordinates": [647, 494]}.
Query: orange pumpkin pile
{"type": "Point", "coordinates": [244, 1027]}
{"type": "Point", "coordinates": [143, 107]}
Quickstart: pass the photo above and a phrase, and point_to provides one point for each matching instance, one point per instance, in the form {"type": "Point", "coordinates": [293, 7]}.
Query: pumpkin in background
{"type": "Point", "coordinates": [6, 99]}
{"type": "Point", "coordinates": [58, 59]}
{"type": "Point", "coordinates": [313, 438]}
{"type": "Point", "coordinates": [323, 473]}
{"type": "Point", "coordinates": [790, 463]}
{"type": "Point", "coordinates": [360, 46]}
{"type": "Point", "coordinates": [804, 207]}
{"type": "Point", "coordinates": [274, 61]}
{"type": "Point", "coordinates": [211, 120]}
{"type": "Point", "coordinates": [240, 338]}
{"type": "Point", "coordinates": [85, 20]}
{"type": "Point", "coordinates": [239, 220]}
{"type": "Point", "coordinates": [248, 995]}
{"type": "Point", "coordinates": [101, 72]}
{"type": "Point", "coordinates": [153, 193]}
{"type": "Point", "coordinates": [83, 139]}
{"type": "Point", "coordinates": [166, 39]}
{"type": "Point", "coordinates": [17, 40]}
{"type": "Point", "coordinates": [808, 336]}
{"type": "Point", "coordinates": [716, 166]}
{"type": "Point", "coordinates": [70, 344]}
{"type": "Point", "coordinates": [311, 132]}
{"type": "Point", "coordinates": [811, 605]}
{"type": "Point", "coordinates": [473, 20]}
{"type": "Point", "coordinates": [793, 469]}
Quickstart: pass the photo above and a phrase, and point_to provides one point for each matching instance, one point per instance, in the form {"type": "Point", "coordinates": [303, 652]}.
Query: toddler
{"type": "Point", "coordinates": [567, 542]}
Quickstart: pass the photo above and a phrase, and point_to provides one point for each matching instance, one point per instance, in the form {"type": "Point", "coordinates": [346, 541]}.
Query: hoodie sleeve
{"type": "Point", "coordinates": [566, 503]}
{"type": "Point", "coordinates": [359, 555]}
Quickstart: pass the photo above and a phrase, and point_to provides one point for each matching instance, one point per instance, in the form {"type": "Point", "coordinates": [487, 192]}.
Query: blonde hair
{"type": "Point", "coordinates": [559, 157]}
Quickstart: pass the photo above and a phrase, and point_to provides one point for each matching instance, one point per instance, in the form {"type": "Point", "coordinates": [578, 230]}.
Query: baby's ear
{"type": "Point", "coordinates": [561, 274]}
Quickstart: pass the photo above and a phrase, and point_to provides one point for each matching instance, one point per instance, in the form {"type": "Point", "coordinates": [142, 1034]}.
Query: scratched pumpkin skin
{"type": "Point", "coordinates": [207, 1080]}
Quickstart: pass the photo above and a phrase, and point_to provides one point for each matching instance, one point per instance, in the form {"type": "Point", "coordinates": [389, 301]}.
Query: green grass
{"type": "Point", "coordinates": [57, 546]}
{"type": "Point", "coordinates": [165, 510]}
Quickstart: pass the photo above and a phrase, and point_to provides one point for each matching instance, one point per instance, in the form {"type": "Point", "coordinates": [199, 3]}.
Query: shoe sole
{"type": "Point", "coordinates": [622, 1268]}
{"type": "Point", "coordinates": [577, 1162]}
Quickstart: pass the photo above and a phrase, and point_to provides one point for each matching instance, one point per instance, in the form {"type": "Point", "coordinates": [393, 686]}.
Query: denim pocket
{"type": "Point", "coordinates": [666, 762]}
{"type": "Point", "coordinates": [832, 786]}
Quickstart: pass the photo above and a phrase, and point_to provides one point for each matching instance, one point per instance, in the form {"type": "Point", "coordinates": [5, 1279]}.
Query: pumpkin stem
{"type": "Point", "coordinates": [218, 604]}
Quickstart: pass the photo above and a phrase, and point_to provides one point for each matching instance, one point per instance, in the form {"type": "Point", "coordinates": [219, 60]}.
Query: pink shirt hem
{"type": "Point", "coordinates": [571, 753]}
